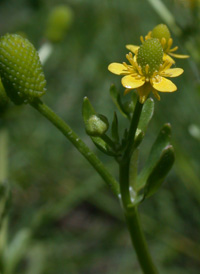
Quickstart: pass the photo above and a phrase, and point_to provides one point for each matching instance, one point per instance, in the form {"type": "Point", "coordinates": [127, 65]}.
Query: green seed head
{"type": "Point", "coordinates": [20, 69]}
{"type": "Point", "coordinates": [150, 56]}
{"type": "Point", "coordinates": [161, 31]}
{"type": "Point", "coordinates": [97, 125]}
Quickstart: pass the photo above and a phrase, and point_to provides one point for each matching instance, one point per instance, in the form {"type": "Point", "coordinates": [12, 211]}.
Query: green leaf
{"type": "Point", "coordinates": [138, 139]}
{"type": "Point", "coordinates": [133, 168]}
{"type": "Point", "coordinates": [162, 141]}
{"type": "Point", "coordinates": [146, 115]}
{"type": "Point", "coordinates": [115, 132]}
{"type": "Point", "coordinates": [87, 110]}
{"type": "Point", "coordinates": [117, 100]}
{"type": "Point", "coordinates": [160, 171]}
{"type": "Point", "coordinates": [102, 145]}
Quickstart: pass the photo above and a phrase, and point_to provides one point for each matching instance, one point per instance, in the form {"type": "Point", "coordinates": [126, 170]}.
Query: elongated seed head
{"type": "Point", "coordinates": [161, 31]}
{"type": "Point", "coordinates": [150, 56]}
{"type": "Point", "coordinates": [20, 69]}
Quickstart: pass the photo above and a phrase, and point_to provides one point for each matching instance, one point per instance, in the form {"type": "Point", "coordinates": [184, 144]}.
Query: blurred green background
{"type": "Point", "coordinates": [63, 219]}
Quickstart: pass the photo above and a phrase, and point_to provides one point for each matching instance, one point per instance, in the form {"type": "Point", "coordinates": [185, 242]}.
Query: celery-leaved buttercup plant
{"type": "Point", "coordinates": [147, 71]}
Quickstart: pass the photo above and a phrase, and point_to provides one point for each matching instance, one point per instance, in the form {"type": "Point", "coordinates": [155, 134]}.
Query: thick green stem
{"type": "Point", "coordinates": [139, 242]}
{"type": "Point", "coordinates": [130, 210]}
{"type": "Point", "coordinates": [78, 143]}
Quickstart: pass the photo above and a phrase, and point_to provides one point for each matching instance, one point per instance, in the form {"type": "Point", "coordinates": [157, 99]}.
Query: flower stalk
{"type": "Point", "coordinates": [139, 242]}
{"type": "Point", "coordinates": [130, 210]}
{"type": "Point", "coordinates": [125, 161]}
{"type": "Point", "coordinates": [78, 143]}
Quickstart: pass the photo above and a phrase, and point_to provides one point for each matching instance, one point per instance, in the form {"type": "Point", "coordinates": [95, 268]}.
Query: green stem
{"type": "Point", "coordinates": [125, 162]}
{"type": "Point", "coordinates": [132, 130]}
{"type": "Point", "coordinates": [78, 143]}
{"type": "Point", "coordinates": [139, 242]}
{"type": "Point", "coordinates": [130, 211]}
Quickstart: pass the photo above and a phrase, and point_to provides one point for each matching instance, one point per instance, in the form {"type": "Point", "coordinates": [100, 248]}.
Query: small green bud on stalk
{"type": "Point", "coordinates": [58, 22]}
{"type": "Point", "coordinates": [20, 69]}
{"type": "Point", "coordinates": [96, 125]}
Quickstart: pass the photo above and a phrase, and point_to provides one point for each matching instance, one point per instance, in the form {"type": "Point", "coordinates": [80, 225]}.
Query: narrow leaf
{"type": "Point", "coordinates": [87, 110]}
{"type": "Point", "coordinates": [160, 171]}
{"type": "Point", "coordinates": [117, 100]}
{"type": "Point", "coordinates": [101, 145]}
{"type": "Point", "coordinates": [161, 142]}
{"type": "Point", "coordinates": [115, 133]}
{"type": "Point", "coordinates": [147, 113]}
{"type": "Point", "coordinates": [133, 168]}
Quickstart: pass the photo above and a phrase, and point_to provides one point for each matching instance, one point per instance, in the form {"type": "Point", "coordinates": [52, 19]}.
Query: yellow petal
{"type": "Point", "coordinates": [174, 72]}
{"type": "Point", "coordinates": [118, 69]}
{"type": "Point", "coordinates": [181, 56]}
{"type": "Point", "coordinates": [164, 85]}
{"type": "Point", "coordinates": [132, 48]}
{"type": "Point", "coordinates": [130, 82]}
{"type": "Point", "coordinates": [168, 58]}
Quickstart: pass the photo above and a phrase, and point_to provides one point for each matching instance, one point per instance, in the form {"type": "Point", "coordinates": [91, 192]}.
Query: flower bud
{"type": "Point", "coordinates": [150, 56]}
{"type": "Point", "coordinates": [96, 125]}
{"type": "Point", "coordinates": [59, 20]}
{"type": "Point", "coordinates": [20, 69]}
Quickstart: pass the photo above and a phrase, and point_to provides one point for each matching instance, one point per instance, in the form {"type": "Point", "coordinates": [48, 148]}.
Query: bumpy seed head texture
{"type": "Point", "coordinates": [150, 53]}
{"type": "Point", "coordinates": [161, 31]}
{"type": "Point", "coordinates": [20, 69]}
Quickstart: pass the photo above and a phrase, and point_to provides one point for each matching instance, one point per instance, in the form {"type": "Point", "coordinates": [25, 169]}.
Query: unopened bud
{"type": "Point", "coordinates": [97, 125]}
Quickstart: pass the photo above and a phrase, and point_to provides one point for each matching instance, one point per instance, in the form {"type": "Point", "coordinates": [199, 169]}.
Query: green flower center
{"type": "Point", "coordinates": [150, 56]}
{"type": "Point", "coordinates": [161, 31]}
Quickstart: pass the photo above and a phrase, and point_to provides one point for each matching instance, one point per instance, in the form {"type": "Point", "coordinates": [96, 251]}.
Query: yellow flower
{"type": "Point", "coordinates": [162, 33]}
{"type": "Point", "coordinates": [147, 71]}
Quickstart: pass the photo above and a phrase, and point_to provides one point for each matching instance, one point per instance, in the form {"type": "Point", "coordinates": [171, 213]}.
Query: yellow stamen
{"type": "Point", "coordinates": [173, 49]}
{"type": "Point", "coordinates": [163, 41]}
{"type": "Point", "coordinates": [125, 64]}
{"type": "Point", "coordinates": [170, 42]}
{"type": "Point", "coordinates": [142, 39]}
{"type": "Point", "coordinates": [147, 69]}
{"type": "Point", "coordinates": [139, 68]}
